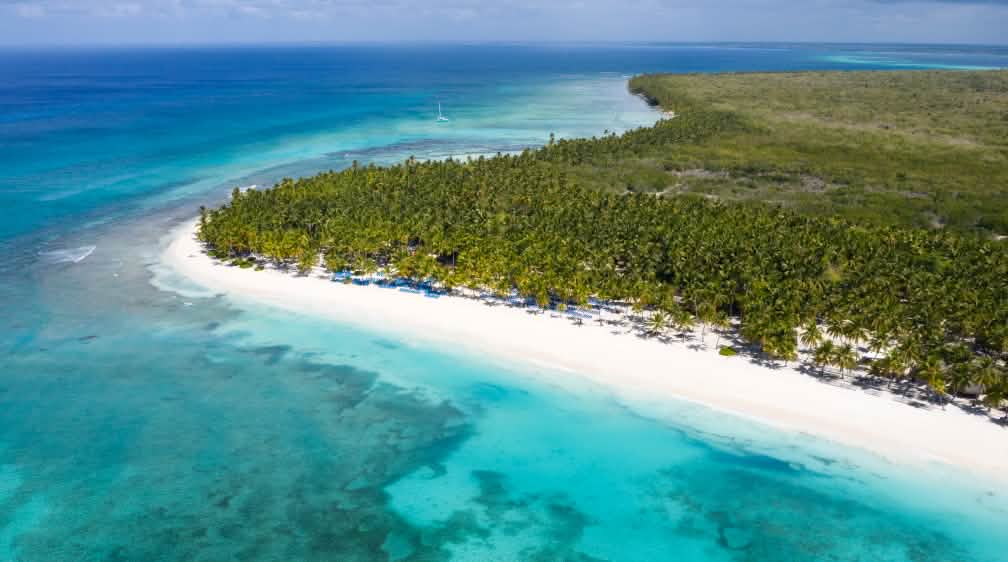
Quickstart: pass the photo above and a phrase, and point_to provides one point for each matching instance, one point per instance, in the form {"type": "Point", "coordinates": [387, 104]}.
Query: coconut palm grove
{"type": "Point", "coordinates": [926, 307]}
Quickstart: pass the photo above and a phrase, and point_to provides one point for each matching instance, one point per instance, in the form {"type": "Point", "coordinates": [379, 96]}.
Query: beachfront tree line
{"type": "Point", "coordinates": [906, 304]}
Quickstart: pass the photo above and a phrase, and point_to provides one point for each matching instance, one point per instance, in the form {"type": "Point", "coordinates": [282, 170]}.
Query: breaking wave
{"type": "Point", "coordinates": [68, 255]}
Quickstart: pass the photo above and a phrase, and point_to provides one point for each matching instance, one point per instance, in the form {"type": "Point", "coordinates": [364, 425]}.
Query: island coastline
{"type": "Point", "coordinates": [631, 367]}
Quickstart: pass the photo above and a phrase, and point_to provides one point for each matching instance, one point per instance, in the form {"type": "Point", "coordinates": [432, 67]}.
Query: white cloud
{"type": "Point", "coordinates": [468, 20]}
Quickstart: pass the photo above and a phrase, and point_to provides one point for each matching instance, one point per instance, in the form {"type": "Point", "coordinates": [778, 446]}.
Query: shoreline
{"type": "Point", "coordinates": [627, 365]}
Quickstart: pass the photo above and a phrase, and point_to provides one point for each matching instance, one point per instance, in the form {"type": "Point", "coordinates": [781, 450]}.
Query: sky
{"type": "Point", "coordinates": [73, 22]}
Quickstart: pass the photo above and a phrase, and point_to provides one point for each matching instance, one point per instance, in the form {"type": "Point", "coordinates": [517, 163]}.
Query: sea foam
{"type": "Point", "coordinates": [67, 255]}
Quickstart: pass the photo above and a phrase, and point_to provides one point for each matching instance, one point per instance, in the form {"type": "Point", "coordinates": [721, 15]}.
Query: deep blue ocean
{"type": "Point", "coordinates": [145, 419]}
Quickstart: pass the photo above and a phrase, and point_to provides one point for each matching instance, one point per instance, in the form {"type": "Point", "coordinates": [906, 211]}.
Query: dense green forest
{"type": "Point", "coordinates": [918, 304]}
{"type": "Point", "coordinates": [916, 148]}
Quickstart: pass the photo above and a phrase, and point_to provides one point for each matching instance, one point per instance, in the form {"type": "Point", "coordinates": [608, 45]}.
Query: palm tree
{"type": "Point", "coordinates": [836, 329]}
{"type": "Point", "coordinates": [719, 323]}
{"type": "Point", "coordinates": [706, 313]}
{"type": "Point", "coordinates": [936, 381]}
{"type": "Point", "coordinates": [811, 335]}
{"type": "Point", "coordinates": [996, 394]}
{"type": "Point", "coordinates": [959, 377]}
{"type": "Point", "coordinates": [985, 373]}
{"type": "Point", "coordinates": [933, 374]}
{"type": "Point", "coordinates": [845, 358]}
{"type": "Point", "coordinates": [682, 321]}
{"type": "Point", "coordinates": [658, 323]}
{"type": "Point", "coordinates": [990, 378]}
{"type": "Point", "coordinates": [824, 355]}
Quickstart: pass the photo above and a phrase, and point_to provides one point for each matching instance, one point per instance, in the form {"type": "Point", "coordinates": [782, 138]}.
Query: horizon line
{"type": "Point", "coordinates": [453, 42]}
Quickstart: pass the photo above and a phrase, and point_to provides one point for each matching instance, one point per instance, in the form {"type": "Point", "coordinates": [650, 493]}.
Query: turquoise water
{"type": "Point", "coordinates": [145, 419]}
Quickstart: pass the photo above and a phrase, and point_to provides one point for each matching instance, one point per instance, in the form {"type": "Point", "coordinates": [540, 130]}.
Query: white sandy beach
{"type": "Point", "coordinates": [630, 366]}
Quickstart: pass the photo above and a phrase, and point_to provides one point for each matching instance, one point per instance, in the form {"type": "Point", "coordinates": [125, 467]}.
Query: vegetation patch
{"type": "Point", "coordinates": [835, 260]}
{"type": "Point", "coordinates": [913, 148]}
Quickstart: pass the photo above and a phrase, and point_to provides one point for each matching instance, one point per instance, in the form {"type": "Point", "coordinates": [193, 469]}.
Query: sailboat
{"type": "Point", "coordinates": [440, 116]}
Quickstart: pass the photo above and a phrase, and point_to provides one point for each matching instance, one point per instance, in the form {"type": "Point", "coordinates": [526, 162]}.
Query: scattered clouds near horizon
{"type": "Point", "coordinates": [229, 21]}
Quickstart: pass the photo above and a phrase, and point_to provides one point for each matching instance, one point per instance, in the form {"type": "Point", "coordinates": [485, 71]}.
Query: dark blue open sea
{"type": "Point", "coordinates": [141, 420]}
